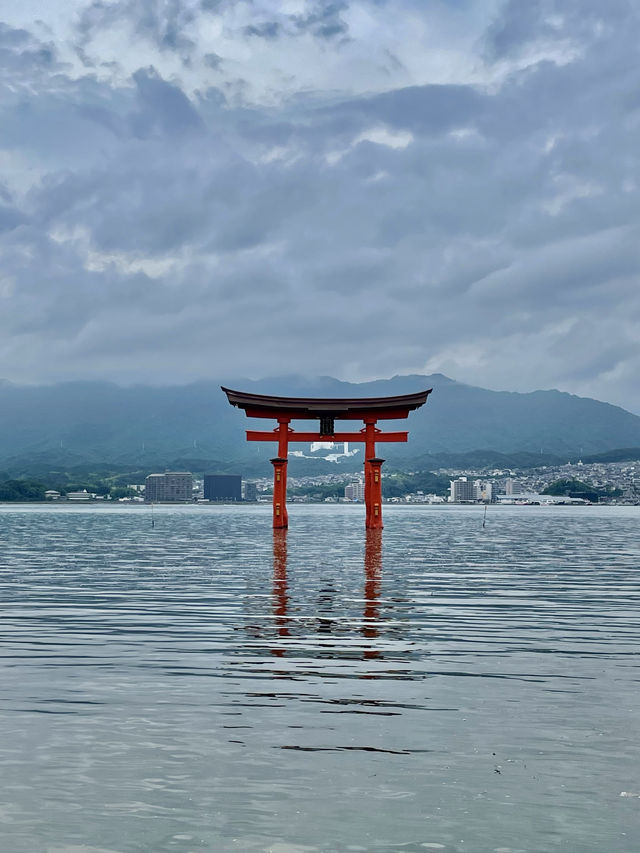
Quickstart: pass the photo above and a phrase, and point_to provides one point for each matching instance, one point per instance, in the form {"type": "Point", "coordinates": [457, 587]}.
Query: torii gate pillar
{"type": "Point", "coordinates": [374, 501]}
{"type": "Point", "coordinates": [280, 515]}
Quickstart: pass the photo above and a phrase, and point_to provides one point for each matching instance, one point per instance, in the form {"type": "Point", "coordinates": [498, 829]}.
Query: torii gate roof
{"type": "Point", "coordinates": [350, 408]}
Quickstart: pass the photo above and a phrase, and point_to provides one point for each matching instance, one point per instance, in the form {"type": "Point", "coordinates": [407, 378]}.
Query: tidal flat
{"type": "Point", "coordinates": [205, 685]}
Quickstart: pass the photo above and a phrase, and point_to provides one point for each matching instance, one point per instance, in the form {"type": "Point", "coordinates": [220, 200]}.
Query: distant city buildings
{"type": "Point", "coordinates": [484, 491]}
{"type": "Point", "coordinates": [82, 495]}
{"type": "Point", "coordinates": [222, 487]}
{"type": "Point", "coordinates": [535, 498]}
{"type": "Point", "coordinates": [618, 483]}
{"type": "Point", "coordinates": [354, 491]}
{"type": "Point", "coordinates": [250, 491]}
{"type": "Point", "coordinates": [170, 487]}
{"type": "Point", "coordinates": [462, 491]}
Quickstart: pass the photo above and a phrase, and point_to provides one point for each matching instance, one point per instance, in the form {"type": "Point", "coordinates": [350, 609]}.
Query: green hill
{"type": "Point", "coordinates": [97, 423]}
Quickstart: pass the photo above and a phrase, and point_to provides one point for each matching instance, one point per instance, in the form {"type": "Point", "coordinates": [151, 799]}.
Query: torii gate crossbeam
{"type": "Point", "coordinates": [327, 411]}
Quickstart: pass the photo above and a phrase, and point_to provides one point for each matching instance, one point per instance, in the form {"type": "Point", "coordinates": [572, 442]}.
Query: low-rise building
{"type": "Point", "coordinates": [82, 495]}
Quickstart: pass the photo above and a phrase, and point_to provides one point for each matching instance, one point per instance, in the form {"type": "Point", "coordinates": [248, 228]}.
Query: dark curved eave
{"type": "Point", "coordinates": [315, 407]}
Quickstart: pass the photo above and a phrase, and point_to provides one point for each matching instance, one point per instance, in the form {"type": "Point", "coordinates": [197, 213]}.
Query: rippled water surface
{"type": "Point", "coordinates": [205, 686]}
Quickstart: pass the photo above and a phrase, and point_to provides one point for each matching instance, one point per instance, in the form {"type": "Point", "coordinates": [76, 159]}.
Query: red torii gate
{"type": "Point", "coordinates": [327, 411]}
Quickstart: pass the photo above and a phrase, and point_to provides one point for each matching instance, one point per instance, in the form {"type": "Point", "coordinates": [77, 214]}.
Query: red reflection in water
{"type": "Point", "coordinates": [280, 597]}
{"type": "Point", "coordinates": [372, 584]}
{"type": "Point", "coordinates": [373, 580]}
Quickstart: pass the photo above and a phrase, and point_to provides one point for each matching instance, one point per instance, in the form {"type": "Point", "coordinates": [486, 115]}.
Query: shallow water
{"type": "Point", "coordinates": [205, 686]}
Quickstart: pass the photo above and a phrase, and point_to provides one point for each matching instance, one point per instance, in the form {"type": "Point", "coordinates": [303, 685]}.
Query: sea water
{"type": "Point", "coordinates": [205, 685]}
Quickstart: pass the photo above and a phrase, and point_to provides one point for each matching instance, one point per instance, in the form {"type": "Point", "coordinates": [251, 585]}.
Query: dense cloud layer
{"type": "Point", "coordinates": [197, 188]}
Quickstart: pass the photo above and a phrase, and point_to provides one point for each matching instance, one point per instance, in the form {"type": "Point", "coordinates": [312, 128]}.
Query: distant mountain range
{"type": "Point", "coordinates": [101, 424]}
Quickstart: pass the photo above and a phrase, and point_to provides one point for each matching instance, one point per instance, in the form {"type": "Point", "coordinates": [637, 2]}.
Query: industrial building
{"type": "Point", "coordinates": [222, 487]}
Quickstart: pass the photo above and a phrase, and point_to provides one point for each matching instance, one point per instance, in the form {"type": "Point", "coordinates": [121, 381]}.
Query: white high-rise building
{"type": "Point", "coordinates": [170, 486]}
{"type": "Point", "coordinates": [354, 491]}
{"type": "Point", "coordinates": [462, 490]}
{"type": "Point", "coordinates": [483, 490]}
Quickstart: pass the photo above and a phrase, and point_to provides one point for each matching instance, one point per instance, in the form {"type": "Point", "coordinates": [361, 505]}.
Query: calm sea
{"type": "Point", "coordinates": [201, 685]}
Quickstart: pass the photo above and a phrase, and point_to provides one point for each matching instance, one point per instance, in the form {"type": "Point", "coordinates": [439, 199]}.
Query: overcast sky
{"type": "Point", "coordinates": [215, 188]}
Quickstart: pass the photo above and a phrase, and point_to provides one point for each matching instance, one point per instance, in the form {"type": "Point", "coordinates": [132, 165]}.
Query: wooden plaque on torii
{"type": "Point", "coordinates": [327, 411]}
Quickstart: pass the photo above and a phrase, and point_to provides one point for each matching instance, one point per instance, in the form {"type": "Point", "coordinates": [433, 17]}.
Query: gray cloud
{"type": "Point", "coordinates": [265, 30]}
{"type": "Point", "coordinates": [424, 109]}
{"type": "Point", "coordinates": [22, 54]}
{"type": "Point", "coordinates": [162, 106]}
{"type": "Point", "coordinates": [212, 60]}
{"type": "Point", "coordinates": [161, 21]}
{"type": "Point", "coordinates": [167, 23]}
{"type": "Point", "coordinates": [324, 20]}
{"type": "Point", "coordinates": [567, 23]}
{"type": "Point", "coordinates": [154, 229]}
{"type": "Point", "coordinates": [10, 218]}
